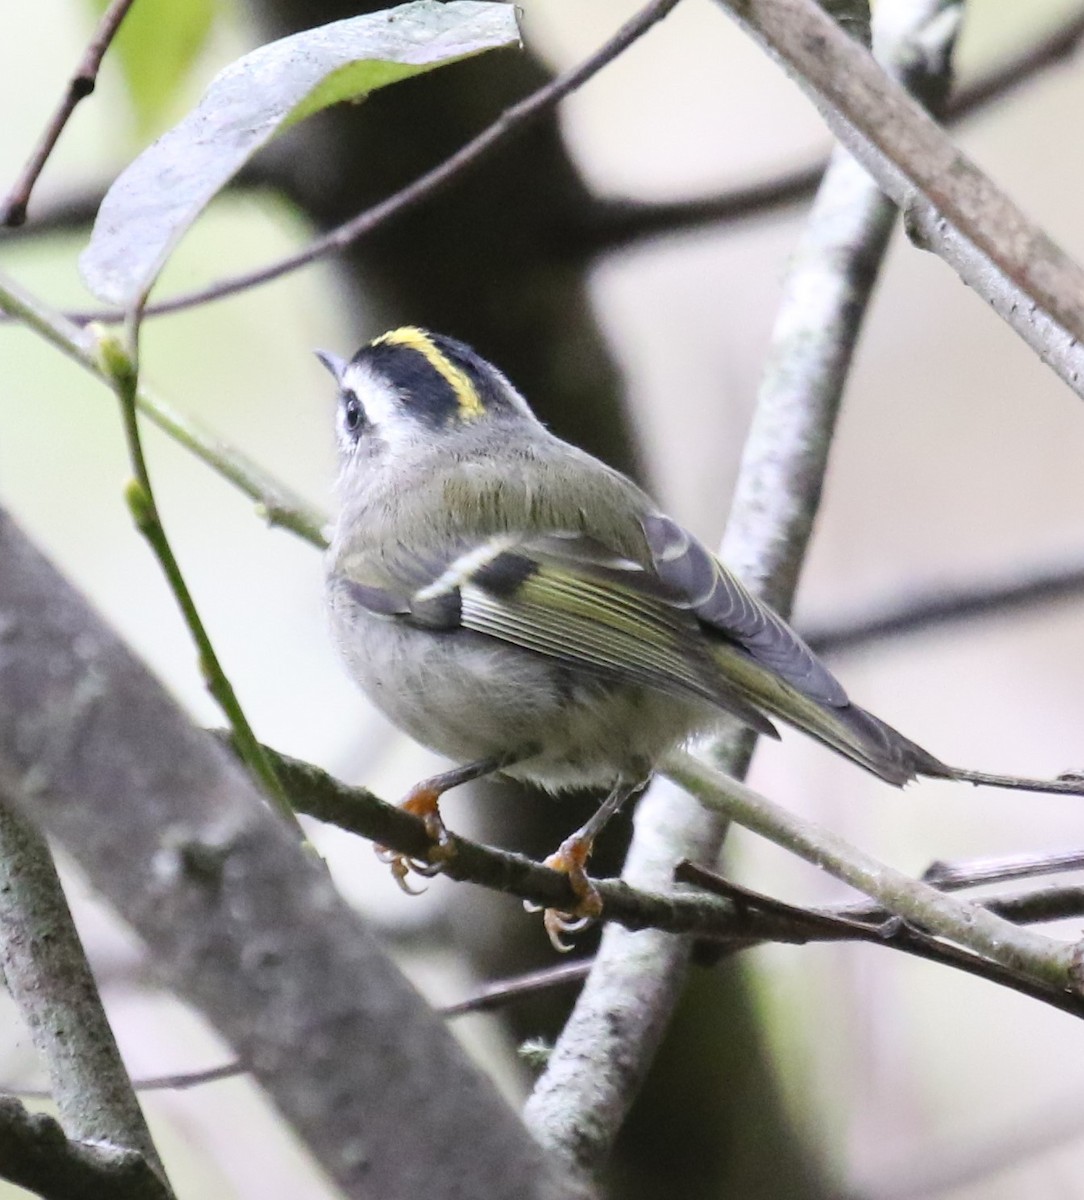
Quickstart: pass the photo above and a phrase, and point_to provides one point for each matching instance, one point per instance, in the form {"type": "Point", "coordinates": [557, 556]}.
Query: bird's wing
{"type": "Point", "coordinates": [680, 624]}
{"type": "Point", "coordinates": [770, 665]}
{"type": "Point", "coordinates": [563, 595]}
{"type": "Point", "coordinates": [719, 599]}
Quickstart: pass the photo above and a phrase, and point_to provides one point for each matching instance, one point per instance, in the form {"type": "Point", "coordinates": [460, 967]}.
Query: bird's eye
{"type": "Point", "coordinates": [353, 413]}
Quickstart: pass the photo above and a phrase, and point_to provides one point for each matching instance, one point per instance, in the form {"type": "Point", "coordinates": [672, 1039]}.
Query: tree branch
{"type": "Point", "coordinates": [275, 502]}
{"type": "Point", "coordinates": [610, 224]}
{"type": "Point", "coordinates": [509, 124]}
{"type": "Point", "coordinates": [1040, 958]}
{"type": "Point", "coordinates": [237, 917]}
{"type": "Point", "coordinates": [950, 206]}
{"type": "Point", "coordinates": [43, 964]}
{"type": "Point", "coordinates": [35, 1154]}
{"type": "Point", "coordinates": [81, 84]}
{"type": "Point", "coordinates": [1018, 591]}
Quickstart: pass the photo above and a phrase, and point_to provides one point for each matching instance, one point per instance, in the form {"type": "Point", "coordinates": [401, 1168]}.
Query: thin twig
{"type": "Point", "coordinates": [607, 224]}
{"type": "Point", "coordinates": [120, 366]}
{"type": "Point", "coordinates": [951, 876]}
{"type": "Point", "coordinates": [1020, 591]}
{"type": "Point", "coordinates": [512, 122]}
{"type": "Point", "coordinates": [874, 925]}
{"type": "Point", "coordinates": [276, 502]}
{"type": "Point", "coordinates": [967, 924]}
{"type": "Point", "coordinates": [45, 969]}
{"type": "Point", "coordinates": [357, 810]}
{"type": "Point", "coordinates": [864, 922]}
{"type": "Point", "coordinates": [81, 84]}
{"type": "Point", "coordinates": [612, 224]}
{"type": "Point", "coordinates": [1052, 49]}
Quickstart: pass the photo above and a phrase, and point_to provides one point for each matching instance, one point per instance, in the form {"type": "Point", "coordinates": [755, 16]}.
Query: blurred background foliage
{"type": "Point", "coordinates": [794, 1072]}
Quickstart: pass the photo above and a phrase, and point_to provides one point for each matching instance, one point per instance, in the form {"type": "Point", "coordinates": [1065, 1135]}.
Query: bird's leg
{"type": "Point", "coordinates": [571, 859]}
{"type": "Point", "coordinates": [423, 800]}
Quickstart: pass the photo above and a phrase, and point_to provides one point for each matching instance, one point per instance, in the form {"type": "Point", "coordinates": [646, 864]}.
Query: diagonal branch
{"type": "Point", "coordinates": [509, 124]}
{"type": "Point", "coordinates": [1040, 958]}
{"type": "Point", "coordinates": [610, 224]}
{"type": "Point", "coordinates": [81, 84]}
{"type": "Point", "coordinates": [238, 918]}
{"type": "Point", "coordinates": [36, 1155]}
{"type": "Point", "coordinates": [950, 206]}
{"type": "Point", "coordinates": [45, 970]}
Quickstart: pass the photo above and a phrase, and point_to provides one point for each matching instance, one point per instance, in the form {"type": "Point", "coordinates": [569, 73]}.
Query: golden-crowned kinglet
{"type": "Point", "coordinates": [516, 605]}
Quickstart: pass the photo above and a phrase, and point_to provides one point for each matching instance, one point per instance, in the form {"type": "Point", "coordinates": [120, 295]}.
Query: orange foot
{"type": "Point", "coordinates": [423, 801]}
{"type": "Point", "coordinates": [571, 859]}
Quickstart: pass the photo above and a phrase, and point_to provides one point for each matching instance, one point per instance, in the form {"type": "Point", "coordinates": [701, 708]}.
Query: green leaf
{"type": "Point", "coordinates": [154, 201]}
{"type": "Point", "coordinates": [157, 44]}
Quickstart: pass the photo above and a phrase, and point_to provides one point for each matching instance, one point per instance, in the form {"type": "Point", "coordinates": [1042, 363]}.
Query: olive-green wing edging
{"type": "Point", "coordinates": [601, 625]}
{"type": "Point", "coordinates": [564, 595]}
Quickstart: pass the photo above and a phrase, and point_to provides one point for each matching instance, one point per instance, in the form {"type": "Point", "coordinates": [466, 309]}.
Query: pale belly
{"type": "Point", "coordinates": [469, 697]}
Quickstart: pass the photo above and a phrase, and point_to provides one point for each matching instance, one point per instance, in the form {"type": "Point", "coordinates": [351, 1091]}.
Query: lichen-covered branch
{"type": "Point", "coordinates": [36, 1154]}
{"type": "Point", "coordinates": [43, 964]}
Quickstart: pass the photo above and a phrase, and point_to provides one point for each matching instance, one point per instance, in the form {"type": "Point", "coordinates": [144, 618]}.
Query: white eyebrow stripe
{"type": "Point", "coordinates": [461, 570]}
{"type": "Point", "coordinates": [377, 396]}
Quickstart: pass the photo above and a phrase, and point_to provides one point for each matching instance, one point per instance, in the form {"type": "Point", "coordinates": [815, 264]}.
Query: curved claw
{"type": "Point", "coordinates": [571, 859]}
{"type": "Point", "coordinates": [557, 924]}
{"type": "Point", "coordinates": [402, 865]}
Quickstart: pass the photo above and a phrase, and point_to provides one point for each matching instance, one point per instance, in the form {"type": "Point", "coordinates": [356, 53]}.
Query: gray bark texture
{"type": "Point", "coordinates": [236, 917]}
{"type": "Point", "coordinates": [48, 976]}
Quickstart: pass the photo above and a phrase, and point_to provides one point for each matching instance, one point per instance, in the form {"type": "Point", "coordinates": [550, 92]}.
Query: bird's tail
{"type": "Point", "coordinates": [862, 737]}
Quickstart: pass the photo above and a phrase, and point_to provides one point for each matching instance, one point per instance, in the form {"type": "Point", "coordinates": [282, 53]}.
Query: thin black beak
{"type": "Point", "coordinates": [334, 363]}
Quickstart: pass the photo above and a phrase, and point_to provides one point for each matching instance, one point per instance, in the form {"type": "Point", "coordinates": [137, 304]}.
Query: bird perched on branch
{"type": "Point", "coordinates": [523, 609]}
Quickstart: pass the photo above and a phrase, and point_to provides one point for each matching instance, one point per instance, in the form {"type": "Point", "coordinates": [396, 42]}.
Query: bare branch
{"type": "Point", "coordinates": [612, 224]}
{"type": "Point", "coordinates": [740, 926]}
{"type": "Point", "coordinates": [81, 84]}
{"type": "Point", "coordinates": [1038, 957]}
{"type": "Point", "coordinates": [609, 224]}
{"type": "Point", "coordinates": [36, 1154]}
{"type": "Point", "coordinates": [950, 206]}
{"type": "Point", "coordinates": [509, 124]}
{"type": "Point", "coordinates": [238, 918]}
{"type": "Point", "coordinates": [43, 964]}
{"type": "Point", "coordinates": [1053, 49]}
{"type": "Point", "coordinates": [276, 502]}
{"type": "Point", "coordinates": [1016, 592]}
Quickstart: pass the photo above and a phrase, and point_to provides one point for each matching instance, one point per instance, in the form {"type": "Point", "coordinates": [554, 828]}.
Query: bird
{"type": "Point", "coordinates": [525, 610]}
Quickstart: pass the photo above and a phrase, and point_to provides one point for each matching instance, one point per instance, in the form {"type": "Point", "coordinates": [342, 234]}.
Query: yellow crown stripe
{"type": "Point", "coordinates": [470, 404]}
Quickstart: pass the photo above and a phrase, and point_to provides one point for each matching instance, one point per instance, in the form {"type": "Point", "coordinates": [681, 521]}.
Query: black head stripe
{"type": "Point", "coordinates": [427, 393]}
{"type": "Point", "coordinates": [492, 388]}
